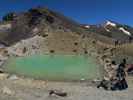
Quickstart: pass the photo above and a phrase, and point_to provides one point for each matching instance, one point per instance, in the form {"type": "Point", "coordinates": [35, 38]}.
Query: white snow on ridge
{"type": "Point", "coordinates": [5, 26]}
{"type": "Point", "coordinates": [110, 23]}
{"type": "Point", "coordinates": [124, 31]}
{"type": "Point", "coordinates": [87, 26]}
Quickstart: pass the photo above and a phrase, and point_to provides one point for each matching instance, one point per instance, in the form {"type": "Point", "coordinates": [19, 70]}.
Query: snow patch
{"type": "Point", "coordinates": [107, 30]}
{"type": "Point", "coordinates": [5, 27]}
{"type": "Point", "coordinates": [87, 26]}
{"type": "Point", "coordinates": [124, 31]}
{"type": "Point", "coordinates": [110, 23]}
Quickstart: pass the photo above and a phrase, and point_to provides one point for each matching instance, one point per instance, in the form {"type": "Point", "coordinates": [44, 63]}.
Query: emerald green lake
{"type": "Point", "coordinates": [54, 67]}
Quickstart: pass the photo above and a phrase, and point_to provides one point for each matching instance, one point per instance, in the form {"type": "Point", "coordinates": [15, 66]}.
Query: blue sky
{"type": "Point", "coordinates": [83, 11]}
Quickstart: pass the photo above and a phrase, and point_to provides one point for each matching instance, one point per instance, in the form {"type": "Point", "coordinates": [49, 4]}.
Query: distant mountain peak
{"type": "Point", "coordinates": [110, 23]}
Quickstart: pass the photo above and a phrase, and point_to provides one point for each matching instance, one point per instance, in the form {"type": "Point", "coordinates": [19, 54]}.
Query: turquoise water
{"type": "Point", "coordinates": [54, 67]}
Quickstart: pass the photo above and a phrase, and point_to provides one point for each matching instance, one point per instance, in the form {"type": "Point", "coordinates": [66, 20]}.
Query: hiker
{"type": "Point", "coordinates": [120, 82]}
{"type": "Point", "coordinates": [130, 39]}
{"type": "Point", "coordinates": [123, 63]}
{"type": "Point", "coordinates": [117, 77]}
{"type": "Point", "coordinates": [122, 78]}
{"type": "Point", "coordinates": [116, 42]}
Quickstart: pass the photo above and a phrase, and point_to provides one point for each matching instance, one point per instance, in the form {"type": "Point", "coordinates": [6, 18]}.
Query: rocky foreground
{"type": "Point", "coordinates": [16, 88]}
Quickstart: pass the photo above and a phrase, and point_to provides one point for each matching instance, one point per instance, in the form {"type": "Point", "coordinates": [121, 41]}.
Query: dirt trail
{"type": "Point", "coordinates": [29, 89]}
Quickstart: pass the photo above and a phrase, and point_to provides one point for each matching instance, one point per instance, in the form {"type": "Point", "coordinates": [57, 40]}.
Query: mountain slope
{"type": "Point", "coordinates": [42, 21]}
{"type": "Point", "coordinates": [37, 21]}
{"type": "Point", "coordinates": [113, 30]}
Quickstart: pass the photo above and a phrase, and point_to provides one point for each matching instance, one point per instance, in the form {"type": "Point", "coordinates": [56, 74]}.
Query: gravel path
{"type": "Point", "coordinates": [29, 89]}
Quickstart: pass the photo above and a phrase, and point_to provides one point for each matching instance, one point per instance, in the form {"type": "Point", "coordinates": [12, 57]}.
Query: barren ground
{"type": "Point", "coordinates": [29, 89]}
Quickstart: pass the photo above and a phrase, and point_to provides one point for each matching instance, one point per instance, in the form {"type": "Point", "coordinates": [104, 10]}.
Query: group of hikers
{"type": "Point", "coordinates": [119, 42]}
{"type": "Point", "coordinates": [117, 77]}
